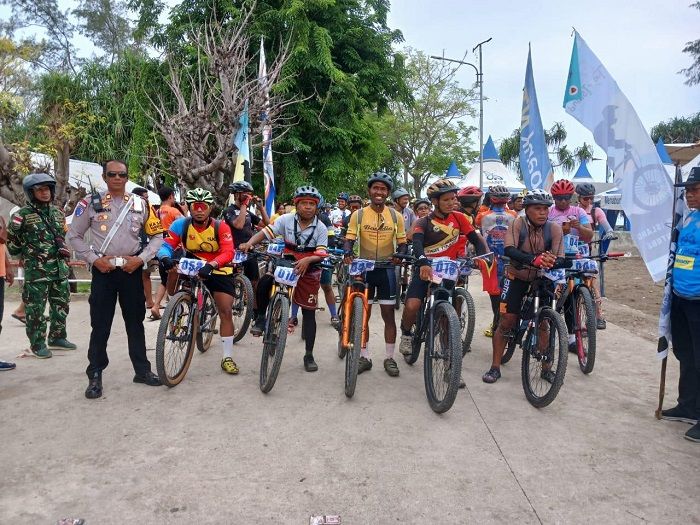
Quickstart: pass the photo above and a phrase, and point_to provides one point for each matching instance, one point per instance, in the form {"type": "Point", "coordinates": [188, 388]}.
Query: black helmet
{"type": "Point", "coordinates": [421, 201]}
{"type": "Point", "coordinates": [38, 179]}
{"type": "Point", "coordinates": [585, 189]}
{"type": "Point", "coordinates": [240, 186]}
{"type": "Point", "coordinates": [380, 176]}
{"type": "Point", "coordinates": [538, 197]}
{"type": "Point", "coordinates": [400, 192]}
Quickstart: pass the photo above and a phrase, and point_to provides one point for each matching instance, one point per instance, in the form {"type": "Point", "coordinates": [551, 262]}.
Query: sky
{"type": "Point", "coordinates": [638, 41]}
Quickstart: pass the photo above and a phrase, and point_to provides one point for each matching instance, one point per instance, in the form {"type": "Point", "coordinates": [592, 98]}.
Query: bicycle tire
{"type": "Point", "coordinates": [509, 351]}
{"type": "Point", "coordinates": [442, 368]}
{"type": "Point", "coordinates": [340, 279]}
{"type": "Point", "coordinates": [557, 343]}
{"type": "Point", "coordinates": [463, 303]}
{"type": "Point", "coordinates": [242, 305]}
{"type": "Point", "coordinates": [176, 317]}
{"type": "Point", "coordinates": [584, 305]}
{"type": "Point", "coordinates": [397, 278]}
{"type": "Point", "coordinates": [207, 322]}
{"type": "Point", "coordinates": [417, 339]}
{"type": "Point", "coordinates": [274, 341]}
{"type": "Point", "coordinates": [352, 356]}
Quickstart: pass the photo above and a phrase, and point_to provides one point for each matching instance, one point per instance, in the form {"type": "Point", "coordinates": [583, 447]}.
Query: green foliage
{"type": "Point", "coordinates": [106, 24]}
{"type": "Point", "coordinates": [692, 73]}
{"type": "Point", "coordinates": [678, 130]}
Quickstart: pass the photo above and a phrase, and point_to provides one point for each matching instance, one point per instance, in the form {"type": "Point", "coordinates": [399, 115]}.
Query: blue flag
{"type": "Point", "coordinates": [534, 158]}
{"type": "Point", "coordinates": [242, 171]}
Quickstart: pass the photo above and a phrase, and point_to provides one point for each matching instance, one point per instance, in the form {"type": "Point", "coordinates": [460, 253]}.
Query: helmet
{"type": "Point", "coordinates": [343, 195]}
{"type": "Point", "coordinates": [537, 197]}
{"type": "Point", "coordinates": [307, 192]}
{"type": "Point", "coordinates": [380, 176]}
{"type": "Point", "coordinates": [469, 195]}
{"type": "Point", "coordinates": [400, 192]}
{"type": "Point", "coordinates": [498, 192]}
{"type": "Point", "coordinates": [240, 186]}
{"type": "Point", "coordinates": [440, 187]}
{"type": "Point", "coordinates": [141, 192]}
{"type": "Point", "coordinates": [38, 179]}
{"type": "Point", "coordinates": [585, 189]}
{"type": "Point", "coordinates": [562, 187]}
{"type": "Point", "coordinates": [199, 195]}
{"type": "Point", "coordinates": [355, 198]}
{"type": "Point", "coordinates": [421, 201]}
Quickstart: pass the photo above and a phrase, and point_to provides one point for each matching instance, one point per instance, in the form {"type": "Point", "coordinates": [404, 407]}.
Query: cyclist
{"type": "Point", "coordinates": [494, 224]}
{"type": "Point", "coordinates": [379, 233]}
{"type": "Point", "coordinates": [469, 198]}
{"type": "Point", "coordinates": [208, 239]}
{"type": "Point", "coordinates": [516, 203]}
{"type": "Point", "coordinates": [341, 212]}
{"type": "Point", "coordinates": [422, 208]}
{"type": "Point", "coordinates": [586, 194]}
{"type": "Point", "coordinates": [306, 239]}
{"type": "Point", "coordinates": [573, 220]}
{"type": "Point", "coordinates": [401, 199]}
{"type": "Point", "coordinates": [532, 240]}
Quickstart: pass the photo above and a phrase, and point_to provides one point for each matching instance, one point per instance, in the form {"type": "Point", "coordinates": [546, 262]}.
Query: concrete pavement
{"type": "Point", "coordinates": [216, 450]}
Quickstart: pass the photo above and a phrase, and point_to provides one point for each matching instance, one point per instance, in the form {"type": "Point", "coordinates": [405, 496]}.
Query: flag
{"type": "Point", "coordinates": [594, 99]}
{"type": "Point", "coordinates": [679, 210]}
{"type": "Point", "coordinates": [242, 171]}
{"type": "Point", "coordinates": [534, 158]}
{"type": "Point", "coordinates": [488, 266]}
{"type": "Point", "coordinates": [268, 168]}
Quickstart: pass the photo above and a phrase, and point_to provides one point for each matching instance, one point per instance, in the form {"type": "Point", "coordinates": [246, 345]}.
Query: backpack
{"type": "Point", "coordinates": [547, 234]}
{"type": "Point", "coordinates": [188, 223]}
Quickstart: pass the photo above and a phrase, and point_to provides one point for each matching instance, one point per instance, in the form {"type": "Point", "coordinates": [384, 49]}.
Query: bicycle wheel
{"type": "Point", "coordinates": [175, 344]}
{"type": "Point", "coordinates": [397, 279]}
{"type": "Point", "coordinates": [340, 279]}
{"type": "Point", "coordinates": [207, 322]}
{"type": "Point", "coordinates": [443, 359]}
{"type": "Point", "coordinates": [352, 356]}
{"type": "Point", "coordinates": [418, 336]}
{"type": "Point", "coordinates": [274, 340]}
{"type": "Point", "coordinates": [242, 306]}
{"type": "Point", "coordinates": [585, 329]}
{"type": "Point", "coordinates": [510, 349]}
{"type": "Point", "coordinates": [464, 306]}
{"type": "Point", "coordinates": [549, 355]}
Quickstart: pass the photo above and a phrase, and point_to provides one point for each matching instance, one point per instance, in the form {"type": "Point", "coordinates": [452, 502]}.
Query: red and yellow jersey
{"type": "Point", "coordinates": [201, 242]}
{"type": "Point", "coordinates": [443, 237]}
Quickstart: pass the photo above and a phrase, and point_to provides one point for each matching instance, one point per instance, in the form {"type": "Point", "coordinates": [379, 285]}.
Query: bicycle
{"type": "Point", "coordinates": [243, 296]}
{"type": "Point", "coordinates": [189, 317]}
{"type": "Point", "coordinates": [543, 368]}
{"type": "Point", "coordinates": [463, 303]}
{"type": "Point", "coordinates": [438, 327]}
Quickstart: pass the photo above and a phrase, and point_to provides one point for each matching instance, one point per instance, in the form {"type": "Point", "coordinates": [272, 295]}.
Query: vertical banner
{"type": "Point", "coordinates": [535, 165]}
{"type": "Point", "coordinates": [242, 171]}
{"type": "Point", "coordinates": [268, 169]}
{"type": "Point", "coordinates": [594, 99]}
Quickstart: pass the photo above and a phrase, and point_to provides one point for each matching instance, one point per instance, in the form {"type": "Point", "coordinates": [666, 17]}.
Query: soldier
{"type": "Point", "coordinates": [36, 235]}
{"type": "Point", "coordinates": [115, 219]}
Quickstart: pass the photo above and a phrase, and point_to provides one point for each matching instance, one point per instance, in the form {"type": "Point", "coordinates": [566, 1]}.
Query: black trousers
{"type": "Point", "coordinates": [685, 333]}
{"type": "Point", "coordinates": [106, 289]}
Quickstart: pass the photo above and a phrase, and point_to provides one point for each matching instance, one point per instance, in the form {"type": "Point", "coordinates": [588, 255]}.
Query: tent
{"type": "Point", "coordinates": [582, 174]}
{"type": "Point", "coordinates": [453, 171]}
{"type": "Point", "coordinates": [495, 172]}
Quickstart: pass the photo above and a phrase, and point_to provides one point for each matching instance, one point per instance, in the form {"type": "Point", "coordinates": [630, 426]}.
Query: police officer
{"type": "Point", "coordinates": [115, 219]}
{"type": "Point", "coordinates": [36, 235]}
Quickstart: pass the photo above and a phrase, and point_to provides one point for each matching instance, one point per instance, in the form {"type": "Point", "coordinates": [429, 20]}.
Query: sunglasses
{"type": "Point", "coordinates": [585, 198]}
{"type": "Point", "coordinates": [199, 206]}
{"type": "Point", "coordinates": [562, 197]}
{"type": "Point", "coordinates": [120, 174]}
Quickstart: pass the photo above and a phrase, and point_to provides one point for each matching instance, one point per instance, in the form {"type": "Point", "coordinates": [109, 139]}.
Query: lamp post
{"type": "Point", "coordinates": [480, 82]}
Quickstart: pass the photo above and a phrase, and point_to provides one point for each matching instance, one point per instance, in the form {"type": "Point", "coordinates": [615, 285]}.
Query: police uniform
{"type": "Point", "coordinates": [107, 287]}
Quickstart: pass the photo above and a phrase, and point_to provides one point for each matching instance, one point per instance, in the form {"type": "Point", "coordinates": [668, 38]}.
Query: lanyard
{"type": "Point", "coordinates": [297, 234]}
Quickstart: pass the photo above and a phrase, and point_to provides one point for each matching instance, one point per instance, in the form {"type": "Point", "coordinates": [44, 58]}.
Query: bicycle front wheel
{"type": "Point", "coordinates": [352, 355]}
{"type": "Point", "coordinates": [397, 274]}
{"type": "Point", "coordinates": [418, 336]}
{"type": "Point", "coordinates": [585, 329]}
{"type": "Point", "coordinates": [274, 341]}
{"type": "Point", "coordinates": [466, 312]}
{"type": "Point", "coordinates": [544, 363]}
{"type": "Point", "coordinates": [443, 359]}
{"type": "Point", "coordinates": [242, 306]}
{"type": "Point", "coordinates": [175, 344]}
{"type": "Point", "coordinates": [208, 317]}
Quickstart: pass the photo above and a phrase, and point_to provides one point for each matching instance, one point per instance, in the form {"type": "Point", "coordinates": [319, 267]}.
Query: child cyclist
{"type": "Point", "coordinates": [306, 240]}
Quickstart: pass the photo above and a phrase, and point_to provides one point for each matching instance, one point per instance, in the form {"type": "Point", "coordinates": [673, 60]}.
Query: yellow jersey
{"type": "Point", "coordinates": [378, 234]}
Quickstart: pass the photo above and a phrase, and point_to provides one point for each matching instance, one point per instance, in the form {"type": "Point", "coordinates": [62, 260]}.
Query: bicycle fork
{"type": "Point", "coordinates": [347, 310]}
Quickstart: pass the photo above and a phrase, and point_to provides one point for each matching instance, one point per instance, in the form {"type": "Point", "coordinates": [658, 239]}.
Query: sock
{"type": "Point", "coordinates": [390, 350]}
{"type": "Point", "coordinates": [332, 309]}
{"type": "Point", "coordinates": [227, 343]}
{"type": "Point", "coordinates": [295, 310]}
{"type": "Point", "coordinates": [572, 338]}
{"type": "Point", "coordinates": [364, 352]}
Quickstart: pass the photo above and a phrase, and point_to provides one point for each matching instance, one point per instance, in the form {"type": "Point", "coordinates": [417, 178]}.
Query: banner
{"type": "Point", "coordinates": [594, 99]}
{"type": "Point", "coordinates": [242, 171]}
{"type": "Point", "coordinates": [268, 169]}
{"type": "Point", "coordinates": [534, 158]}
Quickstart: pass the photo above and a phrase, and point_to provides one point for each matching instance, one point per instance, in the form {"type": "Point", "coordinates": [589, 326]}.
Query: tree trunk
{"type": "Point", "coordinates": [61, 171]}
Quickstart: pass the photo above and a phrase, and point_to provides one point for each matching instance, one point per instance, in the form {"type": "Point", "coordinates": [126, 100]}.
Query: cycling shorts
{"type": "Point", "coordinates": [220, 283]}
{"type": "Point", "coordinates": [326, 276]}
{"type": "Point", "coordinates": [418, 288]}
{"type": "Point", "coordinates": [513, 292]}
{"type": "Point", "coordinates": [251, 269]}
{"type": "Point", "coordinates": [381, 284]}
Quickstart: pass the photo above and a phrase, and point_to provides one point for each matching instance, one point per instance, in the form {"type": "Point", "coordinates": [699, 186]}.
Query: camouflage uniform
{"type": "Point", "coordinates": [45, 270]}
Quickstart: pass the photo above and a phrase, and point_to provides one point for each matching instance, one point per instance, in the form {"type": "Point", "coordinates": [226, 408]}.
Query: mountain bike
{"type": "Point", "coordinates": [463, 303]}
{"type": "Point", "coordinates": [243, 299]}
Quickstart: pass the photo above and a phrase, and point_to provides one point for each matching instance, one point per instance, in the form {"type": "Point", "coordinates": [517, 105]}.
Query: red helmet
{"type": "Point", "coordinates": [562, 187]}
{"type": "Point", "coordinates": [470, 192]}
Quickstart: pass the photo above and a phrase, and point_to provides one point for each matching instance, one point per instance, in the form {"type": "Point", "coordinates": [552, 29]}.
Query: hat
{"type": "Point", "coordinates": [693, 178]}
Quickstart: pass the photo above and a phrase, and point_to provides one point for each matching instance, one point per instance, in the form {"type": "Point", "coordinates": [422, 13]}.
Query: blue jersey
{"type": "Point", "coordinates": [686, 269]}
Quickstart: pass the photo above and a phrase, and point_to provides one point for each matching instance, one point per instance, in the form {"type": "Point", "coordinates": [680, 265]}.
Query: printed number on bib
{"type": "Point", "coordinates": [190, 266]}
{"type": "Point", "coordinates": [571, 243]}
{"type": "Point", "coordinates": [240, 257]}
{"type": "Point", "coordinates": [275, 248]}
{"type": "Point", "coordinates": [558, 276]}
{"type": "Point", "coordinates": [359, 266]}
{"type": "Point", "coordinates": [286, 276]}
{"type": "Point", "coordinates": [444, 269]}
{"type": "Point", "coordinates": [585, 265]}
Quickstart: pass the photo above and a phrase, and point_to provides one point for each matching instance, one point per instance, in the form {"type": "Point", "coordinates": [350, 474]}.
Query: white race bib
{"type": "Point", "coordinates": [444, 269]}
{"type": "Point", "coordinates": [585, 265]}
{"type": "Point", "coordinates": [240, 257]}
{"type": "Point", "coordinates": [284, 275]}
{"type": "Point", "coordinates": [558, 276]}
{"type": "Point", "coordinates": [360, 266]}
{"type": "Point", "coordinates": [275, 248]}
{"type": "Point", "coordinates": [190, 266]}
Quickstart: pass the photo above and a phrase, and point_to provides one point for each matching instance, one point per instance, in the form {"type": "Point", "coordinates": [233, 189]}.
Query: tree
{"type": "Point", "coordinates": [693, 49]}
{"type": "Point", "coordinates": [106, 24]}
{"type": "Point", "coordinates": [678, 130]}
{"type": "Point", "coordinates": [425, 133]}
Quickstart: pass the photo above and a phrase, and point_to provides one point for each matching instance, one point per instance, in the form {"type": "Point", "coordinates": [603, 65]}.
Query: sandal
{"type": "Point", "coordinates": [493, 375]}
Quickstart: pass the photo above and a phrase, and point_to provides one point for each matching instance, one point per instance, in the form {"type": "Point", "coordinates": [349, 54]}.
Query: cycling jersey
{"type": "Point", "coordinates": [533, 245]}
{"type": "Point", "coordinates": [168, 215]}
{"type": "Point", "coordinates": [409, 218]}
{"type": "Point", "coordinates": [686, 268]}
{"type": "Point", "coordinates": [497, 211]}
{"type": "Point", "coordinates": [378, 235]}
{"type": "Point", "coordinates": [248, 230]}
{"type": "Point", "coordinates": [562, 216]}
{"type": "Point", "coordinates": [299, 242]}
{"type": "Point", "coordinates": [337, 215]}
{"type": "Point", "coordinates": [441, 237]}
{"type": "Point", "coordinates": [201, 241]}
{"type": "Point", "coordinates": [494, 226]}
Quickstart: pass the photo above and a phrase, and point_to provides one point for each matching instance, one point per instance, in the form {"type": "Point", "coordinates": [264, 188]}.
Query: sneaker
{"type": "Point", "coordinates": [391, 367]}
{"type": "Point", "coordinates": [94, 389]}
{"type": "Point", "coordinates": [62, 343]}
{"type": "Point", "coordinates": [229, 366]}
{"type": "Point", "coordinates": [573, 348]}
{"type": "Point", "coordinates": [679, 414]}
{"type": "Point", "coordinates": [600, 324]}
{"type": "Point", "coordinates": [489, 331]}
{"type": "Point", "coordinates": [335, 322]}
{"type": "Point", "coordinates": [149, 379]}
{"type": "Point", "coordinates": [548, 376]}
{"type": "Point", "coordinates": [694, 433]}
{"type": "Point", "coordinates": [4, 366]}
{"type": "Point", "coordinates": [258, 327]}
{"type": "Point", "coordinates": [363, 365]}
{"type": "Point", "coordinates": [42, 352]}
{"type": "Point", "coordinates": [406, 345]}
{"type": "Point", "coordinates": [309, 363]}
{"type": "Point", "coordinates": [493, 375]}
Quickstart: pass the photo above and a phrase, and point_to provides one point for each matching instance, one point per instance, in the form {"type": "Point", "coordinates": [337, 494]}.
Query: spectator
{"type": "Point", "coordinates": [168, 213]}
{"type": "Point", "coordinates": [5, 275]}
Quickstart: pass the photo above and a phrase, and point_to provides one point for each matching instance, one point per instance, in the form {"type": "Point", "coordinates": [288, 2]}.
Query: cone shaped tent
{"type": "Point", "coordinates": [495, 172]}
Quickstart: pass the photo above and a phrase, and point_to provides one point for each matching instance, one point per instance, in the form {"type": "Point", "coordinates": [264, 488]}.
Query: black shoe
{"type": "Point", "coordinates": [573, 348]}
{"type": "Point", "coordinates": [94, 389]}
{"type": "Point", "coordinates": [258, 327]}
{"type": "Point", "coordinates": [548, 376]}
{"type": "Point", "coordinates": [149, 379]}
{"type": "Point", "coordinates": [679, 414]}
{"type": "Point", "coordinates": [363, 365]}
{"type": "Point", "coordinates": [309, 363]}
{"type": "Point", "coordinates": [694, 433]}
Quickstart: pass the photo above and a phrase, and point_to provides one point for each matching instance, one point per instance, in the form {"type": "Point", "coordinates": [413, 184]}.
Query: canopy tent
{"type": "Point", "coordinates": [453, 171]}
{"type": "Point", "coordinates": [495, 172]}
{"type": "Point", "coordinates": [582, 174]}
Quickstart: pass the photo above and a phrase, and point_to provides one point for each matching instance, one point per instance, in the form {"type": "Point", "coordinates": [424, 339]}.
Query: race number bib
{"type": "Point", "coordinates": [360, 266]}
{"type": "Point", "coordinates": [275, 248]}
{"type": "Point", "coordinates": [444, 269]}
{"type": "Point", "coordinates": [558, 276]}
{"type": "Point", "coordinates": [189, 266]}
{"type": "Point", "coordinates": [286, 276]}
{"type": "Point", "coordinates": [585, 265]}
{"type": "Point", "coordinates": [240, 257]}
{"type": "Point", "coordinates": [584, 250]}
{"type": "Point", "coordinates": [571, 243]}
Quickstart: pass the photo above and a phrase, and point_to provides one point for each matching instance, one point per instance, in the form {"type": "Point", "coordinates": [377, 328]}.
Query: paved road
{"type": "Point", "coordinates": [217, 450]}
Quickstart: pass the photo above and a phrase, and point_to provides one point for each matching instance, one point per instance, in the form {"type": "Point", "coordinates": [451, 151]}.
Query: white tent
{"type": "Point", "coordinates": [495, 172]}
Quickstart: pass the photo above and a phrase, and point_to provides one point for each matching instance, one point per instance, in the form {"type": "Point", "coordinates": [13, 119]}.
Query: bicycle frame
{"type": "Point", "coordinates": [352, 290]}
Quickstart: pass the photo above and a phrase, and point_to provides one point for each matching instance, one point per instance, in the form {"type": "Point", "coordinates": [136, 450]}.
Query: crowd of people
{"type": "Point", "coordinates": [124, 239]}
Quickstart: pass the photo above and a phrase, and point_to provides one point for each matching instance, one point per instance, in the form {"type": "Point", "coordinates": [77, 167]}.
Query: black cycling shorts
{"type": "Point", "coordinates": [251, 269]}
{"type": "Point", "coordinates": [418, 288]}
{"type": "Point", "coordinates": [220, 283]}
{"type": "Point", "coordinates": [513, 292]}
{"type": "Point", "coordinates": [381, 284]}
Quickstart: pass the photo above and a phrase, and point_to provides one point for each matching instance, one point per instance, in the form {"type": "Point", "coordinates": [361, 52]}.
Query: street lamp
{"type": "Point", "coordinates": [480, 82]}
